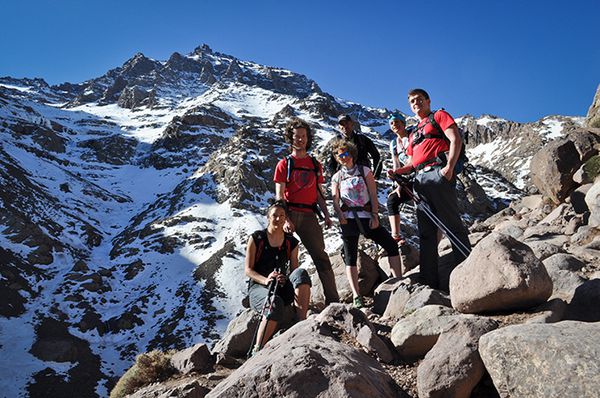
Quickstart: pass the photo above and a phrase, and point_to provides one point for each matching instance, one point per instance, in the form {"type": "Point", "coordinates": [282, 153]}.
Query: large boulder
{"type": "Point", "coordinates": [309, 361]}
{"type": "Point", "coordinates": [593, 116]}
{"type": "Point", "coordinates": [188, 387]}
{"type": "Point", "coordinates": [237, 339]}
{"type": "Point", "coordinates": [416, 334]}
{"type": "Point", "coordinates": [499, 274]}
{"type": "Point", "coordinates": [552, 169]}
{"type": "Point", "coordinates": [193, 359]}
{"type": "Point", "coordinates": [592, 199]}
{"type": "Point", "coordinates": [453, 367]}
{"type": "Point", "coordinates": [544, 360]}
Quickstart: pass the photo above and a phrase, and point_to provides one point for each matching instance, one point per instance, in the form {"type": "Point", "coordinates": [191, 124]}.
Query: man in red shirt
{"type": "Point", "coordinates": [298, 178]}
{"type": "Point", "coordinates": [433, 157]}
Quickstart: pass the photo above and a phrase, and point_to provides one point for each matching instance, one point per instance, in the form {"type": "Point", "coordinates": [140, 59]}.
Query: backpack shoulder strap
{"type": "Point", "coordinates": [315, 165]}
{"type": "Point", "coordinates": [288, 246]}
{"type": "Point", "coordinates": [259, 240]}
{"type": "Point", "coordinates": [290, 165]}
{"type": "Point", "coordinates": [436, 125]}
{"type": "Point", "coordinates": [361, 170]}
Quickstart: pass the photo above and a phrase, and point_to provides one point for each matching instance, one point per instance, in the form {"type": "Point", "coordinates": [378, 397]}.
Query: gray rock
{"type": "Point", "coordinates": [585, 304]}
{"type": "Point", "coordinates": [562, 261]}
{"type": "Point", "coordinates": [179, 388]}
{"type": "Point", "coordinates": [424, 295]}
{"type": "Point", "coordinates": [397, 302]}
{"type": "Point", "coordinates": [590, 253]}
{"type": "Point", "coordinates": [193, 359]}
{"type": "Point", "coordinates": [557, 215]}
{"type": "Point", "coordinates": [552, 311]}
{"type": "Point", "coordinates": [530, 202]}
{"type": "Point", "coordinates": [584, 234]}
{"type": "Point", "coordinates": [509, 228]}
{"type": "Point", "coordinates": [552, 169]}
{"type": "Point", "coordinates": [578, 199]}
{"type": "Point", "coordinates": [544, 360]}
{"type": "Point", "coordinates": [383, 292]}
{"type": "Point", "coordinates": [592, 199]}
{"type": "Point", "coordinates": [593, 116]}
{"type": "Point", "coordinates": [574, 224]}
{"type": "Point", "coordinates": [374, 344]}
{"type": "Point", "coordinates": [543, 249]}
{"type": "Point", "coordinates": [453, 367]}
{"type": "Point", "coordinates": [307, 361]}
{"type": "Point", "coordinates": [500, 274]}
{"type": "Point", "coordinates": [565, 283]}
{"type": "Point", "coordinates": [237, 339]}
{"type": "Point", "coordinates": [416, 334]}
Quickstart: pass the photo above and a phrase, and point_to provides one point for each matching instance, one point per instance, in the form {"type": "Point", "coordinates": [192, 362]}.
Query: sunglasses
{"type": "Point", "coordinates": [343, 155]}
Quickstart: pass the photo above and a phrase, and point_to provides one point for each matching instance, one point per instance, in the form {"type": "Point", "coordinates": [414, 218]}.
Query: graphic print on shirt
{"type": "Point", "coordinates": [354, 191]}
{"type": "Point", "coordinates": [303, 178]}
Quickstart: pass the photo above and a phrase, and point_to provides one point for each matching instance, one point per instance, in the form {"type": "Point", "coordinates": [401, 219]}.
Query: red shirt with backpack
{"type": "Point", "coordinates": [301, 181]}
{"type": "Point", "coordinates": [429, 148]}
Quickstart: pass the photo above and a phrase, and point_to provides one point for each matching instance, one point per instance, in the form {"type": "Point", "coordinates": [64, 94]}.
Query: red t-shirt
{"type": "Point", "coordinates": [431, 147]}
{"type": "Point", "coordinates": [302, 187]}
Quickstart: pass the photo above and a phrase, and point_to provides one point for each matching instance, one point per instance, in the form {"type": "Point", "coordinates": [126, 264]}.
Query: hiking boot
{"type": "Point", "coordinates": [358, 302]}
{"type": "Point", "coordinates": [399, 240]}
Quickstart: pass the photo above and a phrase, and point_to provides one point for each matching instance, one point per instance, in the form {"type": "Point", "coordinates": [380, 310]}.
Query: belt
{"type": "Point", "coordinates": [366, 207]}
{"type": "Point", "coordinates": [427, 168]}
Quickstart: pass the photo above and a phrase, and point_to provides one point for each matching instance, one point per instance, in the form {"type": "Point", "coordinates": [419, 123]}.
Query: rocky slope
{"type": "Point", "coordinates": [521, 317]}
{"type": "Point", "coordinates": [126, 200]}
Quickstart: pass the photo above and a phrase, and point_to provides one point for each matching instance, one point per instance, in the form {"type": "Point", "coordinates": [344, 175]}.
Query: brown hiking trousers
{"type": "Point", "coordinates": [311, 235]}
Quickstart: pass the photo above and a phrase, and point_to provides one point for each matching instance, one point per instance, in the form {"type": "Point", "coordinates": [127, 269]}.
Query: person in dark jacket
{"type": "Point", "coordinates": [366, 148]}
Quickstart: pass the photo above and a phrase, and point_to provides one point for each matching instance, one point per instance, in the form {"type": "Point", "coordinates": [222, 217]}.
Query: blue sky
{"type": "Point", "coordinates": [521, 60]}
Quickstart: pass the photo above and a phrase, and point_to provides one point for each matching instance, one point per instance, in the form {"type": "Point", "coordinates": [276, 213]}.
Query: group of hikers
{"type": "Point", "coordinates": [430, 150]}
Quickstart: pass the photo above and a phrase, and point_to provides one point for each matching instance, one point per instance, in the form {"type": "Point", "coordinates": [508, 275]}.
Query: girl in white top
{"type": "Point", "coordinates": [355, 202]}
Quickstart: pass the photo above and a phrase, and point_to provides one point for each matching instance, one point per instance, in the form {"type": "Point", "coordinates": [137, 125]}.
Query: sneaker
{"type": "Point", "coordinates": [358, 302]}
{"type": "Point", "coordinates": [254, 351]}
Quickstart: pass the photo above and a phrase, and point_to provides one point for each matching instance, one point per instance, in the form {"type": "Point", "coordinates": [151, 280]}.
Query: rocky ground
{"type": "Point", "coordinates": [521, 316]}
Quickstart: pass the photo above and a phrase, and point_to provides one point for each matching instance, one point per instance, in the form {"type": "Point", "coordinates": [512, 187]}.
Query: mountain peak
{"type": "Point", "coordinates": [202, 49]}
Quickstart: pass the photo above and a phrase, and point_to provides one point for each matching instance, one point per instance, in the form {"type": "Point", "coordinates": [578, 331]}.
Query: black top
{"type": "Point", "coordinates": [268, 257]}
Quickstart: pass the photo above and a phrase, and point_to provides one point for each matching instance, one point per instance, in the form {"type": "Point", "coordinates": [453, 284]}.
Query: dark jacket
{"type": "Point", "coordinates": [365, 148]}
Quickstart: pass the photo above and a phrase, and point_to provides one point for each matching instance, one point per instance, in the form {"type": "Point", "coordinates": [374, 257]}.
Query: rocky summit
{"type": "Point", "coordinates": [125, 206]}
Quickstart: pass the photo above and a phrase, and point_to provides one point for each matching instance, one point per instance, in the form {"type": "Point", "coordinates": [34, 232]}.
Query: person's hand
{"type": "Point", "coordinates": [289, 227]}
{"type": "Point", "coordinates": [342, 220]}
{"type": "Point", "coordinates": [390, 173]}
{"type": "Point", "coordinates": [328, 222]}
{"type": "Point", "coordinates": [374, 222]}
{"type": "Point", "coordinates": [276, 276]}
{"type": "Point", "coordinates": [446, 172]}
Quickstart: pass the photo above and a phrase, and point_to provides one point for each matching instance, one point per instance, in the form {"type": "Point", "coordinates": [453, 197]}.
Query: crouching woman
{"type": "Point", "coordinates": [355, 202]}
{"type": "Point", "coordinates": [268, 254]}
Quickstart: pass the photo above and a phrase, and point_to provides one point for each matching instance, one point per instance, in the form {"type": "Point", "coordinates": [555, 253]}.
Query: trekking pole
{"type": "Point", "coordinates": [266, 310]}
{"type": "Point", "coordinates": [462, 248]}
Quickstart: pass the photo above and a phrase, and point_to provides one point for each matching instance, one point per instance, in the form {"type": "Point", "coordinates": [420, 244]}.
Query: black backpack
{"type": "Point", "coordinates": [315, 169]}
{"type": "Point", "coordinates": [419, 136]}
{"type": "Point", "coordinates": [290, 167]}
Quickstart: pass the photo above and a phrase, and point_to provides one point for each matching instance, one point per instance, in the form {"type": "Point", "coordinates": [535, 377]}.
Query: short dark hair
{"type": "Point", "coordinates": [417, 91]}
{"type": "Point", "coordinates": [349, 146]}
{"type": "Point", "coordinates": [297, 123]}
{"type": "Point", "coordinates": [278, 204]}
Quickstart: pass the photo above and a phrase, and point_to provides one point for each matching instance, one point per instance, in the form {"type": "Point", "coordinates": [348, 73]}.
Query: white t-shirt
{"type": "Point", "coordinates": [353, 189]}
{"type": "Point", "coordinates": [398, 149]}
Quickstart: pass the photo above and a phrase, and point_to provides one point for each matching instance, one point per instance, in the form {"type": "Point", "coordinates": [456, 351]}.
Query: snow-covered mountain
{"type": "Point", "coordinates": [126, 202]}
